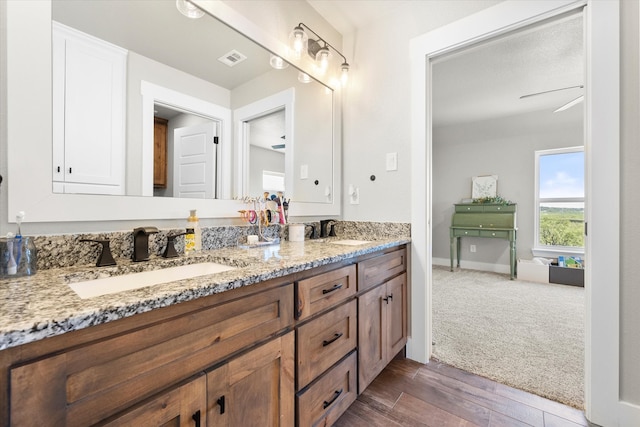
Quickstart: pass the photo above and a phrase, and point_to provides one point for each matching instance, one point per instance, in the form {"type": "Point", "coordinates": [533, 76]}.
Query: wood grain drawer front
{"type": "Point", "coordinates": [330, 396]}
{"type": "Point", "coordinates": [320, 292]}
{"type": "Point", "coordinates": [325, 340]}
{"type": "Point", "coordinates": [89, 383]}
{"type": "Point", "coordinates": [377, 270]}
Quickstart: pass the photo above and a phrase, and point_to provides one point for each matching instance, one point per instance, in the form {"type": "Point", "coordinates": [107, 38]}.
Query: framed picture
{"type": "Point", "coordinates": [484, 186]}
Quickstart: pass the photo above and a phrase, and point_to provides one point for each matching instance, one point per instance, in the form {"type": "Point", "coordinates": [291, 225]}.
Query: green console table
{"type": "Point", "coordinates": [494, 221]}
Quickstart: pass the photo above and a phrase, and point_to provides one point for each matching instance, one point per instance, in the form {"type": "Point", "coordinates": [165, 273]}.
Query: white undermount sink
{"type": "Point", "coordinates": [349, 242]}
{"type": "Point", "coordinates": [127, 282]}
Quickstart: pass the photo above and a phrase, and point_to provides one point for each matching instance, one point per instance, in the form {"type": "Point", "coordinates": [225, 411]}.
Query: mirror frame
{"type": "Point", "coordinates": [29, 183]}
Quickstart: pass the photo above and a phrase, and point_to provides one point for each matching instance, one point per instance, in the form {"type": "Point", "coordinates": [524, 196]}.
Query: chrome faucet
{"type": "Point", "coordinates": [141, 243]}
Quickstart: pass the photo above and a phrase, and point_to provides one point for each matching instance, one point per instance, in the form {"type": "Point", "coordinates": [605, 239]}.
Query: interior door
{"type": "Point", "coordinates": [195, 157]}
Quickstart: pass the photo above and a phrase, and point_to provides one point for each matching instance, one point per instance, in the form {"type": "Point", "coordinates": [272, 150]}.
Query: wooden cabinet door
{"type": "Point", "coordinates": [397, 315]}
{"type": "Point", "coordinates": [93, 382]}
{"type": "Point", "coordinates": [254, 389]}
{"type": "Point", "coordinates": [382, 327]}
{"type": "Point", "coordinates": [372, 335]}
{"type": "Point", "coordinates": [159, 152]}
{"type": "Point", "coordinates": [183, 406]}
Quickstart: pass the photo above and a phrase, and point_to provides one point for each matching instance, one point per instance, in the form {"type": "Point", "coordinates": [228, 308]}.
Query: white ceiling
{"type": "Point", "coordinates": [347, 16]}
{"type": "Point", "coordinates": [486, 81]}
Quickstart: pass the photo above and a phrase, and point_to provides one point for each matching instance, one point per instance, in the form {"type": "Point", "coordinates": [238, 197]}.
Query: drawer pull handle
{"type": "Point", "coordinates": [335, 337]}
{"type": "Point", "coordinates": [389, 297]}
{"type": "Point", "coordinates": [336, 394]}
{"type": "Point", "coordinates": [221, 402]}
{"type": "Point", "coordinates": [196, 418]}
{"type": "Point", "coordinates": [334, 288]}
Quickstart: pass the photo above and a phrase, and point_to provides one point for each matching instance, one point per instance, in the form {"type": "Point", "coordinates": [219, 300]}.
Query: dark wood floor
{"type": "Point", "coordinates": [408, 393]}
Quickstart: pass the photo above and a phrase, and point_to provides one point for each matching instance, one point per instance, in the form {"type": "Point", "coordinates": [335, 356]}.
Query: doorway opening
{"type": "Point", "coordinates": [602, 143]}
{"type": "Point", "coordinates": [495, 104]}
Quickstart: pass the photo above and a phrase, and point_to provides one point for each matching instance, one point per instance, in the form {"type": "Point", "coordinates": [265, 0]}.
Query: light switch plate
{"type": "Point", "coordinates": [392, 161]}
{"type": "Point", "coordinates": [304, 171]}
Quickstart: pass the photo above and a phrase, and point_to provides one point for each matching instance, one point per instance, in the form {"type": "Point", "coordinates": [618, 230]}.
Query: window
{"type": "Point", "coordinates": [272, 181]}
{"type": "Point", "coordinates": [560, 199]}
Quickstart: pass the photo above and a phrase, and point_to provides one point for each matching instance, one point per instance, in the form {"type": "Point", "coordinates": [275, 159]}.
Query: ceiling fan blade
{"type": "Point", "coordinates": [550, 91]}
{"type": "Point", "coordinates": [570, 104]}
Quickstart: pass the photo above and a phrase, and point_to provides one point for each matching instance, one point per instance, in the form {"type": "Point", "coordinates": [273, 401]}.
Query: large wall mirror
{"type": "Point", "coordinates": [150, 107]}
{"type": "Point", "coordinates": [200, 59]}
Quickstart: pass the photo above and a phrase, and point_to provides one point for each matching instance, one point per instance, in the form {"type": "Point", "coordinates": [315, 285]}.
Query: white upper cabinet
{"type": "Point", "coordinates": [89, 82]}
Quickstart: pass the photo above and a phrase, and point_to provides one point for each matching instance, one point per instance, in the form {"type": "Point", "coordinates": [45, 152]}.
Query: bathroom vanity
{"type": "Point", "coordinates": [289, 337]}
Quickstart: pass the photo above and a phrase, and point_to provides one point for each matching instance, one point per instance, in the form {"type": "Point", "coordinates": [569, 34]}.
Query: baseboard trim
{"type": "Point", "coordinates": [472, 265]}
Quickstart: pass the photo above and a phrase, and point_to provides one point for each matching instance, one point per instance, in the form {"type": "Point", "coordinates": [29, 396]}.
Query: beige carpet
{"type": "Point", "coordinates": [526, 335]}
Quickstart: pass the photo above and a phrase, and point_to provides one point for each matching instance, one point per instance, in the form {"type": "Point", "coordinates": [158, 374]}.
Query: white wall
{"type": "Point", "coordinates": [262, 159]}
{"type": "Point", "coordinates": [504, 147]}
{"type": "Point", "coordinates": [377, 108]}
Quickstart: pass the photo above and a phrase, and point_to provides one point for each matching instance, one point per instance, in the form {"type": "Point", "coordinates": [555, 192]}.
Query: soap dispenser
{"type": "Point", "coordinates": [194, 224]}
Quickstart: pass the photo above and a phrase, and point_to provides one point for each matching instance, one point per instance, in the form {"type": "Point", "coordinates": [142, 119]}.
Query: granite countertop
{"type": "Point", "coordinates": [43, 305]}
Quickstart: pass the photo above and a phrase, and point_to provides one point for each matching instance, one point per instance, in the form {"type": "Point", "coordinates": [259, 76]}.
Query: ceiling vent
{"type": "Point", "coordinates": [232, 58]}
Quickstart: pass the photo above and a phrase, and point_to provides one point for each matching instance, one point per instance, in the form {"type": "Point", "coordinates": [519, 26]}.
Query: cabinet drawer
{"type": "Point", "coordinates": [325, 340]}
{"type": "Point", "coordinates": [495, 233]}
{"type": "Point", "coordinates": [377, 270]}
{"type": "Point", "coordinates": [465, 233]}
{"type": "Point", "coordinates": [91, 382]}
{"type": "Point", "coordinates": [469, 208]}
{"type": "Point", "coordinates": [500, 208]}
{"type": "Point", "coordinates": [320, 292]}
{"type": "Point", "coordinates": [330, 396]}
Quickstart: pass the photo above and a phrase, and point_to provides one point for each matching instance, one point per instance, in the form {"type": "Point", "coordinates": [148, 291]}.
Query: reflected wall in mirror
{"type": "Point", "coordinates": [192, 60]}
{"type": "Point", "coordinates": [267, 143]}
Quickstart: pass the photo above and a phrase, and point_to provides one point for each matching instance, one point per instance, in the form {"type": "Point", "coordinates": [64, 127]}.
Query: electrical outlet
{"type": "Point", "coordinates": [472, 248]}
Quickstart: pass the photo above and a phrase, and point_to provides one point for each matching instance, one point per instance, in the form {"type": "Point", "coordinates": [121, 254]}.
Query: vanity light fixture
{"type": "Point", "coordinates": [278, 63]}
{"type": "Point", "coordinates": [316, 49]}
{"type": "Point", "coordinates": [189, 9]}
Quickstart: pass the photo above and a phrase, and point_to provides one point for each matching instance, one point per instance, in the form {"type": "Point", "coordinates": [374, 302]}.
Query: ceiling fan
{"type": "Point", "coordinates": [565, 106]}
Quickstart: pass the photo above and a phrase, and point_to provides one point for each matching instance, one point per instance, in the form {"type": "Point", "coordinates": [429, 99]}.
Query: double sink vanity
{"type": "Point", "coordinates": [287, 334]}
